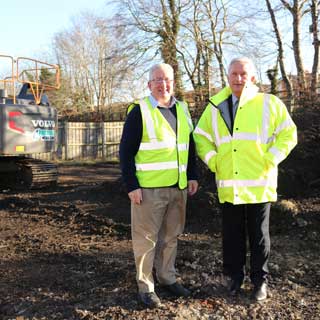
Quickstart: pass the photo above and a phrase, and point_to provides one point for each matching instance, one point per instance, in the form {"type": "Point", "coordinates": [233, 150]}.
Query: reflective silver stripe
{"type": "Point", "coordinates": [225, 139]}
{"type": "Point", "coordinates": [240, 136]}
{"type": "Point", "coordinates": [182, 168]}
{"type": "Point", "coordinates": [243, 183]}
{"type": "Point", "coordinates": [246, 136]}
{"type": "Point", "coordinates": [157, 166]}
{"type": "Point", "coordinates": [149, 123]}
{"type": "Point", "coordinates": [265, 118]}
{"type": "Point", "coordinates": [278, 154]}
{"type": "Point", "coordinates": [183, 147]}
{"type": "Point", "coordinates": [214, 115]}
{"type": "Point", "coordinates": [186, 111]}
{"type": "Point", "coordinates": [285, 124]}
{"type": "Point", "coordinates": [209, 155]}
{"type": "Point", "coordinates": [203, 133]}
{"type": "Point", "coordinates": [154, 145]}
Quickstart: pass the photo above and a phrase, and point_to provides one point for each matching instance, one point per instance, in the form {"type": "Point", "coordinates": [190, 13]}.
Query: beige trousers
{"type": "Point", "coordinates": [155, 226]}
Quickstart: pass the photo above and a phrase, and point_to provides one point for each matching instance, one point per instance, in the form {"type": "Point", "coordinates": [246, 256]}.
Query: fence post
{"type": "Point", "coordinates": [103, 140]}
{"type": "Point", "coordinates": [66, 133]}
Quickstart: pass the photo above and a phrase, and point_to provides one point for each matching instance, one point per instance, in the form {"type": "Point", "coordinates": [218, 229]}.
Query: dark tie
{"type": "Point", "coordinates": [231, 112]}
{"type": "Point", "coordinates": [234, 109]}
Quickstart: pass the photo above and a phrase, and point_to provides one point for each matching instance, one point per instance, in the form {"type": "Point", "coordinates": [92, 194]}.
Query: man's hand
{"type": "Point", "coordinates": [192, 187]}
{"type": "Point", "coordinates": [135, 196]}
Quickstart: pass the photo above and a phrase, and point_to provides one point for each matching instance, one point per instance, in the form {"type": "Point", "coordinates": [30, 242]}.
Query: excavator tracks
{"type": "Point", "coordinates": [36, 174]}
{"type": "Point", "coordinates": [29, 173]}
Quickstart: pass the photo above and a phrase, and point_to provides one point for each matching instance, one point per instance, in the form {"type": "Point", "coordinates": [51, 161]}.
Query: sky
{"type": "Point", "coordinates": [27, 27]}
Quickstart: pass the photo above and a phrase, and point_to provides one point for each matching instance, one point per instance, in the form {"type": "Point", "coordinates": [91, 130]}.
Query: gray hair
{"type": "Point", "coordinates": [243, 60]}
{"type": "Point", "coordinates": [160, 66]}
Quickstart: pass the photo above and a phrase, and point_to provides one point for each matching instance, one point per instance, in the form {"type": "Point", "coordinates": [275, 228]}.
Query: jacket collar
{"type": "Point", "coordinates": [248, 93]}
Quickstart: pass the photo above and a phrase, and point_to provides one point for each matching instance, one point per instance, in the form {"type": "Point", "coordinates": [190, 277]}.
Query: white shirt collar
{"type": "Point", "coordinates": [156, 104]}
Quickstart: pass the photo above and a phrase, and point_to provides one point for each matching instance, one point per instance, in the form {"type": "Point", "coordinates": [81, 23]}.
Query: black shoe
{"type": "Point", "coordinates": [178, 290]}
{"type": "Point", "coordinates": [235, 288]}
{"type": "Point", "coordinates": [260, 292]}
{"type": "Point", "coordinates": [149, 299]}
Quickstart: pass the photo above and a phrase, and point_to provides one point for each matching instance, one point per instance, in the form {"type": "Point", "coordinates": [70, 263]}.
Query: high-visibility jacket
{"type": "Point", "coordinates": [162, 157]}
{"type": "Point", "coordinates": [245, 162]}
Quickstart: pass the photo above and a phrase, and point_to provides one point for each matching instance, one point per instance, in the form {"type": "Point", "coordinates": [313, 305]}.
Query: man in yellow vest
{"type": "Point", "coordinates": [242, 136]}
{"type": "Point", "coordinates": [157, 158]}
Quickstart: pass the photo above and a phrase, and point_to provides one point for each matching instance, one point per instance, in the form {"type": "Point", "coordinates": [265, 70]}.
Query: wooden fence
{"type": "Point", "coordinates": [86, 141]}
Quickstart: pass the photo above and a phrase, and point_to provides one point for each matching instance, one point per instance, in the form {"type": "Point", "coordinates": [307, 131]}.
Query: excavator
{"type": "Point", "coordinates": [28, 123]}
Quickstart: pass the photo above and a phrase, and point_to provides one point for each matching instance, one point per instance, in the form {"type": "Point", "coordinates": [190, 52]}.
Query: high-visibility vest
{"type": "Point", "coordinates": [162, 157]}
{"type": "Point", "coordinates": [131, 106]}
{"type": "Point", "coordinates": [245, 163]}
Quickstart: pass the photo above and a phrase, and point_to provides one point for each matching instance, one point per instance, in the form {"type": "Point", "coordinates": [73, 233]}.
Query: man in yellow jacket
{"type": "Point", "coordinates": [242, 136]}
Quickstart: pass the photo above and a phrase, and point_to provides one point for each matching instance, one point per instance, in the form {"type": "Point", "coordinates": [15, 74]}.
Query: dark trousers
{"type": "Point", "coordinates": [237, 222]}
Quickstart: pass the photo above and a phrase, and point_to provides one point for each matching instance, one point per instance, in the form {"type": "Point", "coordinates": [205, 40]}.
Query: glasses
{"type": "Point", "coordinates": [160, 80]}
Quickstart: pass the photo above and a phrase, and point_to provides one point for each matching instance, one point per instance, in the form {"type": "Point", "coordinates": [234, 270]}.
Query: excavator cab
{"type": "Point", "coordinates": [28, 123]}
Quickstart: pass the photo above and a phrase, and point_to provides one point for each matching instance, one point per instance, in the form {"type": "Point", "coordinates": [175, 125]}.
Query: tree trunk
{"type": "Point", "coordinates": [297, 12]}
{"type": "Point", "coordinates": [217, 36]}
{"type": "Point", "coordinates": [169, 37]}
{"type": "Point", "coordinates": [284, 75]}
{"type": "Point", "coordinates": [316, 43]}
{"type": "Point", "coordinates": [297, 46]}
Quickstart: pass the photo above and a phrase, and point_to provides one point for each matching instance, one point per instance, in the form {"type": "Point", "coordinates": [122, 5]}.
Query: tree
{"type": "Point", "coordinates": [94, 64]}
{"type": "Point", "coordinates": [196, 37]}
{"type": "Point", "coordinates": [217, 32]}
{"type": "Point", "coordinates": [297, 9]}
{"type": "Point", "coordinates": [194, 53]}
{"type": "Point", "coordinates": [160, 23]}
{"type": "Point", "coordinates": [314, 29]}
{"type": "Point", "coordinates": [284, 75]}
{"type": "Point", "coordinates": [206, 33]}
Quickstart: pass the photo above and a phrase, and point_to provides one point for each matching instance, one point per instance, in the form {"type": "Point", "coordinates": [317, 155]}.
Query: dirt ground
{"type": "Point", "coordinates": [66, 254]}
{"type": "Point", "coordinates": [66, 251]}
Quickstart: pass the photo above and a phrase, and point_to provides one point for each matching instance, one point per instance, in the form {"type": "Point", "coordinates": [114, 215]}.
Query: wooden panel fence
{"type": "Point", "coordinates": [86, 141]}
